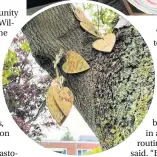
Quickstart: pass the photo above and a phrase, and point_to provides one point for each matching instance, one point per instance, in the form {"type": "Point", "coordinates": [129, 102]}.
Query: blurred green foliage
{"type": "Point", "coordinates": [105, 19]}
{"type": "Point", "coordinates": [94, 151]}
{"type": "Point", "coordinates": [67, 137]}
{"type": "Point", "coordinates": [11, 59]}
{"type": "Point", "coordinates": [25, 47]}
{"type": "Point", "coordinates": [9, 69]}
{"type": "Point", "coordinates": [110, 18]}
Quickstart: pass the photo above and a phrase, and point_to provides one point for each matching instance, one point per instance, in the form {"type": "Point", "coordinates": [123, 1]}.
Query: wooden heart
{"type": "Point", "coordinates": [64, 98]}
{"type": "Point", "coordinates": [106, 44]}
{"type": "Point", "coordinates": [80, 15]}
{"type": "Point", "coordinates": [55, 111]}
{"type": "Point", "coordinates": [74, 63]}
{"type": "Point", "coordinates": [90, 28]}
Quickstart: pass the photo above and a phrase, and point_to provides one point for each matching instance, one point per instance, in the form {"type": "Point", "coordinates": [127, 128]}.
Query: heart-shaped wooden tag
{"type": "Point", "coordinates": [55, 111]}
{"type": "Point", "coordinates": [80, 15]}
{"type": "Point", "coordinates": [64, 98]}
{"type": "Point", "coordinates": [74, 63]}
{"type": "Point", "coordinates": [90, 28]}
{"type": "Point", "coordinates": [106, 44]}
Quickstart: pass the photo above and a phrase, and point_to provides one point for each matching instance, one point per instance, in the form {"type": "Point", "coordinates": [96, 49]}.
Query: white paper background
{"type": "Point", "coordinates": [23, 145]}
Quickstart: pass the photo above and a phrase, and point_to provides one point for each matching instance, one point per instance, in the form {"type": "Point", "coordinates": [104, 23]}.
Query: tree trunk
{"type": "Point", "coordinates": [114, 95]}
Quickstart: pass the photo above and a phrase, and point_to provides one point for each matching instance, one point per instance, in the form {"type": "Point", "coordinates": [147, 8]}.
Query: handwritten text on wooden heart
{"type": "Point", "coordinates": [74, 63]}
{"type": "Point", "coordinates": [106, 44]}
{"type": "Point", "coordinates": [64, 98]}
{"type": "Point", "coordinates": [55, 111]}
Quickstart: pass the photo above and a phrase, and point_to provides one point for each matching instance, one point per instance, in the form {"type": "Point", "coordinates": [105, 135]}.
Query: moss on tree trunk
{"type": "Point", "coordinates": [115, 94]}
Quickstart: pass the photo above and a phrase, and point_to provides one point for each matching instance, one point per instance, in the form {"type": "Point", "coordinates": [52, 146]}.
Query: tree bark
{"type": "Point", "coordinates": [114, 95]}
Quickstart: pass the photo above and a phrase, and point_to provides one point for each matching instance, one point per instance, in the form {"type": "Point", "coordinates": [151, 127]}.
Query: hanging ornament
{"type": "Point", "coordinates": [106, 44]}
{"type": "Point", "coordinates": [55, 111]}
{"type": "Point", "coordinates": [74, 63]}
{"type": "Point", "coordinates": [64, 98]}
{"type": "Point", "coordinates": [59, 99]}
{"type": "Point", "coordinates": [80, 15]}
{"type": "Point", "coordinates": [85, 23]}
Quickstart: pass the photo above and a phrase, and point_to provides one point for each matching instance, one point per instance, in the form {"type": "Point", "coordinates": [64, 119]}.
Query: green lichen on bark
{"type": "Point", "coordinates": [132, 89]}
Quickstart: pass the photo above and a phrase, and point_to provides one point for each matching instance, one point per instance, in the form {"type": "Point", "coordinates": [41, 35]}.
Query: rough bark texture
{"type": "Point", "coordinates": [115, 94]}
